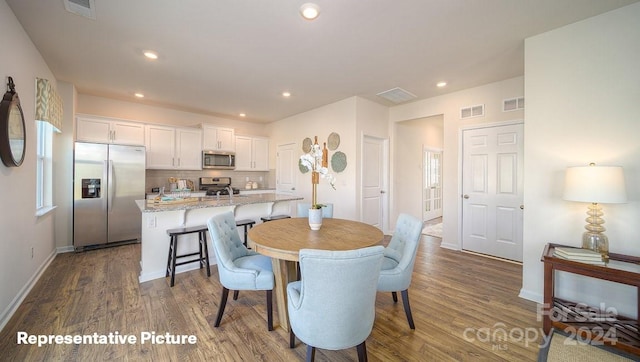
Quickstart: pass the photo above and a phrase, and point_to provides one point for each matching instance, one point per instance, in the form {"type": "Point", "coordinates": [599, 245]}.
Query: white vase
{"type": "Point", "coordinates": [315, 219]}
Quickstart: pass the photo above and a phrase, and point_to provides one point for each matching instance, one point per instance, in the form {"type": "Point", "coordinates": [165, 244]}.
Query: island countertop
{"type": "Point", "coordinates": [214, 201]}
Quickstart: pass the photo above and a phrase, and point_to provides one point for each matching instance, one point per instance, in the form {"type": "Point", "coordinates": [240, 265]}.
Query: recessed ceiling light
{"type": "Point", "coordinates": [139, 95]}
{"type": "Point", "coordinates": [151, 54]}
{"type": "Point", "coordinates": [286, 94]}
{"type": "Point", "coordinates": [309, 11]}
{"type": "Point", "coordinates": [242, 115]}
{"type": "Point", "coordinates": [441, 84]}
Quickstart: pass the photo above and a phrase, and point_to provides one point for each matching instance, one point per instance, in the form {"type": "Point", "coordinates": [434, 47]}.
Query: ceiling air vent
{"type": "Point", "coordinates": [397, 95]}
{"type": "Point", "coordinates": [472, 111]}
{"type": "Point", "coordinates": [513, 104]}
{"type": "Point", "coordinates": [84, 8]}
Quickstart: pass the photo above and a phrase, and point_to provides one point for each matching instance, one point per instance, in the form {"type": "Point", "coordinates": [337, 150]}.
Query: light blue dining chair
{"type": "Point", "coordinates": [399, 258]}
{"type": "Point", "coordinates": [303, 210]}
{"type": "Point", "coordinates": [238, 267]}
{"type": "Point", "coordinates": [333, 306]}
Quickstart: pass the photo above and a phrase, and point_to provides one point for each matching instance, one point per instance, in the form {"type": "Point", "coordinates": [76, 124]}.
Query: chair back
{"type": "Point", "coordinates": [403, 247]}
{"type": "Point", "coordinates": [303, 210]}
{"type": "Point", "coordinates": [335, 307]}
{"type": "Point", "coordinates": [227, 245]}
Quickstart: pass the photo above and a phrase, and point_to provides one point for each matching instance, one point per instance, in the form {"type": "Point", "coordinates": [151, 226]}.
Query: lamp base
{"type": "Point", "coordinates": [596, 242]}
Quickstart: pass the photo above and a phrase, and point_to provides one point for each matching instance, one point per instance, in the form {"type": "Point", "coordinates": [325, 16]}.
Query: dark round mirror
{"type": "Point", "coordinates": [12, 130]}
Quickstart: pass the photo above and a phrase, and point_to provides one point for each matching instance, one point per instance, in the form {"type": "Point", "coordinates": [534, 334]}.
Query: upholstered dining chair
{"type": "Point", "coordinates": [303, 210]}
{"type": "Point", "coordinates": [399, 258]}
{"type": "Point", "coordinates": [333, 306]}
{"type": "Point", "coordinates": [238, 267]}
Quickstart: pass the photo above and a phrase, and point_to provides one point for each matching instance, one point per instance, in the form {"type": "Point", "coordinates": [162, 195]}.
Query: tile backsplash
{"type": "Point", "coordinates": [160, 178]}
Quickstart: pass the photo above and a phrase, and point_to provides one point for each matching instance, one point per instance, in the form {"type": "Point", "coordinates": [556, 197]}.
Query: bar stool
{"type": "Point", "coordinates": [203, 253]}
{"type": "Point", "coordinates": [248, 224]}
{"type": "Point", "coordinates": [274, 217]}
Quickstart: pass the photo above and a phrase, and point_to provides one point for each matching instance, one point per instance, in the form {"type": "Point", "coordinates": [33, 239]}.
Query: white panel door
{"type": "Point", "coordinates": [373, 182]}
{"type": "Point", "coordinates": [492, 191]}
{"type": "Point", "coordinates": [286, 166]}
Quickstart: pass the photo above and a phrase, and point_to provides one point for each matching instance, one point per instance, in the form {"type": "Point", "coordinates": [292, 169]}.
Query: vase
{"type": "Point", "coordinates": [315, 219]}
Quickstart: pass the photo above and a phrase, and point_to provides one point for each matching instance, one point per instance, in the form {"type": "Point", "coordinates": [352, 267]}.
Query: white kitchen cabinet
{"type": "Point", "coordinates": [252, 153]}
{"type": "Point", "coordinates": [218, 139]}
{"type": "Point", "coordinates": [102, 130]}
{"type": "Point", "coordinates": [170, 148]}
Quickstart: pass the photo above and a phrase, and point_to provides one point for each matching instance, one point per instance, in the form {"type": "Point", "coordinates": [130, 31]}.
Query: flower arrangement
{"type": "Point", "coordinates": [316, 161]}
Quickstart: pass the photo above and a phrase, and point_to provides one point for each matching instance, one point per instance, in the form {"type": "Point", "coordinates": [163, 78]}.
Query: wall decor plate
{"type": "Point", "coordinates": [301, 167]}
{"type": "Point", "coordinates": [306, 145]}
{"type": "Point", "coordinates": [333, 141]}
{"type": "Point", "coordinates": [339, 161]}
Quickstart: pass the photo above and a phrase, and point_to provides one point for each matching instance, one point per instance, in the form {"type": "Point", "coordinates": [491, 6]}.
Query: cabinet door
{"type": "Point", "coordinates": [127, 133]}
{"type": "Point", "coordinates": [244, 150]}
{"type": "Point", "coordinates": [226, 139]}
{"type": "Point", "coordinates": [209, 138]}
{"type": "Point", "coordinates": [188, 149]}
{"type": "Point", "coordinates": [260, 154]}
{"type": "Point", "coordinates": [160, 142]}
{"type": "Point", "coordinates": [93, 130]}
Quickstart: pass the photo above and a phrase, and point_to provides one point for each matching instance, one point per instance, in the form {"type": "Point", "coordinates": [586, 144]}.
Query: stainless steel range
{"type": "Point", "coordinates": [213, 185]}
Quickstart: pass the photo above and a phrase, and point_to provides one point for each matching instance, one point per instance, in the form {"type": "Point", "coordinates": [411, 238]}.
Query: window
{"type": "Point", "coordinates": [44, 167]}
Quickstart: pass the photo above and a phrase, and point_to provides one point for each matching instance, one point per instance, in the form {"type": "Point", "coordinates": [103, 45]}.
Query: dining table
{"type": "Point", "coordinates": [283, 239]}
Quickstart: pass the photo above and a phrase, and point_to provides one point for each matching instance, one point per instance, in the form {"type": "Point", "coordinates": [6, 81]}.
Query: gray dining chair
{"type": "Point", "coordinates": [238, 267]}
{"type": "Point", "coordinates": [303, 210]}
{"type": "Point", "coordinates": [333, 306]}
{"type": "Point", "coordinates": [399, 259]}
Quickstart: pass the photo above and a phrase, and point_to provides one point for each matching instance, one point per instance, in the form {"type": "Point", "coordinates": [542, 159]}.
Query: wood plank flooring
{"type": "Point", "coordinates": [463, 305]}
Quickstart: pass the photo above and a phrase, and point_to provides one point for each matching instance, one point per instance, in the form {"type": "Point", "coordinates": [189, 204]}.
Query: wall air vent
{"type": "Point", "coordinates": [86, 8]}
{"type": "Point", "coordinates": [513, 104]}
{"type": "Point", "coordinates": [397, 95]}
{"type": "Point", "coordinates": [472, 111]}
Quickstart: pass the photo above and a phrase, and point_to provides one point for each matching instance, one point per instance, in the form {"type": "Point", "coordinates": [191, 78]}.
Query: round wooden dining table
{"type": "Point", "coordinates": [282, 240]}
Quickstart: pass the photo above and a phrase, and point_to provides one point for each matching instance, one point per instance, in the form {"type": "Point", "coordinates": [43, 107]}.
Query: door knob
{"type": "Point", "coordinates": [465, 196]}
{"type": "Point", "coordinates": [382, 191]}
{"type": "Point", "coordinates": [521, 207]}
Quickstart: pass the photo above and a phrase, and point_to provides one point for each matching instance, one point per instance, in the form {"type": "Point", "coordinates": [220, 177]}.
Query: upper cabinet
{"type": "Point", "coordinates": [170, 148]}
{"type": "Point", "coordinates": [102, 130]}
{"type": "Point", "coordinates": [252, 153]}
{"type": "Point", "coordinates": [218, 139]}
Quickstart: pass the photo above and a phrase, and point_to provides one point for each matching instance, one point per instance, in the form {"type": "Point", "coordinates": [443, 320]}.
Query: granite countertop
{"type": "Point", "coordinates": [214, 201]}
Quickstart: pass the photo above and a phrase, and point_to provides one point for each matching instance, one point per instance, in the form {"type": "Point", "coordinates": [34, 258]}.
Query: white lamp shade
{"type": "Point", "coordinates": [600, 184]}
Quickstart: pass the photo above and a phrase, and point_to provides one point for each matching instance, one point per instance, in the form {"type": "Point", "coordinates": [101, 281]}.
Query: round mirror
{"type": "Point", "coordinates": [12, 130]}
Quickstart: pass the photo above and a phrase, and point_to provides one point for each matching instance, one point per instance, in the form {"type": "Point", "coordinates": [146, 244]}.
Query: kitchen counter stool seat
{"type": "Point", "coordinates": [202, 253]}
{"type": "Point", "coordinates": [248, 224]}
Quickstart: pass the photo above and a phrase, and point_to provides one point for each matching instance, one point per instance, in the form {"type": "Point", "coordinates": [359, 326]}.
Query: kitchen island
{"type": "Point", "coordinates": [158, 217]}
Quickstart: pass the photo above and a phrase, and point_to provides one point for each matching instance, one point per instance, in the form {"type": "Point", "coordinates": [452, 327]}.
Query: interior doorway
{"type": "Point", "coordinates": [432, 181]}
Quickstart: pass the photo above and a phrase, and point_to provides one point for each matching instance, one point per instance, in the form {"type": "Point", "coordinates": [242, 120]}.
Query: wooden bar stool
{"type": "Point", "coordinates": [248, 224]}
{"type": "Point", "coordinates": [203, 252]}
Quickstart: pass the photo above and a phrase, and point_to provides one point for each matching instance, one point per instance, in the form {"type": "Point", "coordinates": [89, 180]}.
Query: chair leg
{"type": "Point", "coordinates": [270, 310]}
{"type": "Point", "coordinates": [206, 252]}
{"type": "Point", "coordinates": [292, 338]}
{"type": "Point", "coordinates": [362, 352]}
{"type": "Point", "coordinates": [395, 297]}
{"type": "Point", "coordinates": [235, 294]}
{"type": "Point", "coordinates": [223, 303]}
{"type": "Point", "coordinates": [311, 353]}
{"type": "Point", "coordinates": [407, 308]}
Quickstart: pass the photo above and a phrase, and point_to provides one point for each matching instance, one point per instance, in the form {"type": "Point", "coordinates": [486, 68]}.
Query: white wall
{"type": "Point", "coordinates": [491, 95]}
{"type": "Point", "coordinates": [582, 93]}
{"type": "Point", "coordinates": [21, 230]}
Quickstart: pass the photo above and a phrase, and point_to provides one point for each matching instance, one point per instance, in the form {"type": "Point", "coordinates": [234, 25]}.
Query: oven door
{"type": "Point", "coordinates": [218, 160]}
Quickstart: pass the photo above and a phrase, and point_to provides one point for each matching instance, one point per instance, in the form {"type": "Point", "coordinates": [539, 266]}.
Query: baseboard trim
{"type": "Point", "coordinates": [15, 303]}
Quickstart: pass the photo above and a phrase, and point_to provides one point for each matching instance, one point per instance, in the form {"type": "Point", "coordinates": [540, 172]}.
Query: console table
{"type": "Point", "coordinates": [588, 323]}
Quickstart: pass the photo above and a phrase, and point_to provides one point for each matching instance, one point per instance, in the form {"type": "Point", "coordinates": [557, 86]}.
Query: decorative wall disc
{"type": "Point", "coordinates": [306, 145]}
{"type": "Point", "coordinates": [333, 141]}
{"type": "Point", "coordinates": [301, 167]}
{"type": "Point", "coordinates": [339, 161]}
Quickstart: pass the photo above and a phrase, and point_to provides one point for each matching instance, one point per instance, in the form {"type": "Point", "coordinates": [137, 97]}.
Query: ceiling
{"type": "Point", "coordinates": [229, 57]}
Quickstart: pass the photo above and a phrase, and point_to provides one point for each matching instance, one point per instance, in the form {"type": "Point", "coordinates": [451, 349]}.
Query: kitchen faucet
{"type": "Point", "coordinates": [230, 190]}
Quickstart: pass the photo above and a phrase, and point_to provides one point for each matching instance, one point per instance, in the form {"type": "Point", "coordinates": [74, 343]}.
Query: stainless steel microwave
{"type": "Point", "coordinates": [218, 160]}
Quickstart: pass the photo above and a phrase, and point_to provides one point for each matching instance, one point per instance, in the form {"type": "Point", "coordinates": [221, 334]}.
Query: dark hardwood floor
{"type": "Point", "coordinates": [465, 307]}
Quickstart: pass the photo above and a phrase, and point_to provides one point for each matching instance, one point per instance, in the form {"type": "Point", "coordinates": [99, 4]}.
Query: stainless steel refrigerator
{"type": "Point", "coordinates": [107, 181]}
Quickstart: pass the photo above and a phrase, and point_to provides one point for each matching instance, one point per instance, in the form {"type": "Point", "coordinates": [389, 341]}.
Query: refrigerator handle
{"type": "Point", "coordinates": [105, 177]}
{"type": "Point", "coordinates": [110, 187]}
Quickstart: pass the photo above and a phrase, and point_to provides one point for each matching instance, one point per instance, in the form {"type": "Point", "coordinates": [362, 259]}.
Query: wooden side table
{"type": "Point", "coordinates": [585, 322]}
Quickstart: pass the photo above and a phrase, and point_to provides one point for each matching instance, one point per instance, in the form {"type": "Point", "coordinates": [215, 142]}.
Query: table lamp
{"type": "Point", "coordinates": [597, 185]}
